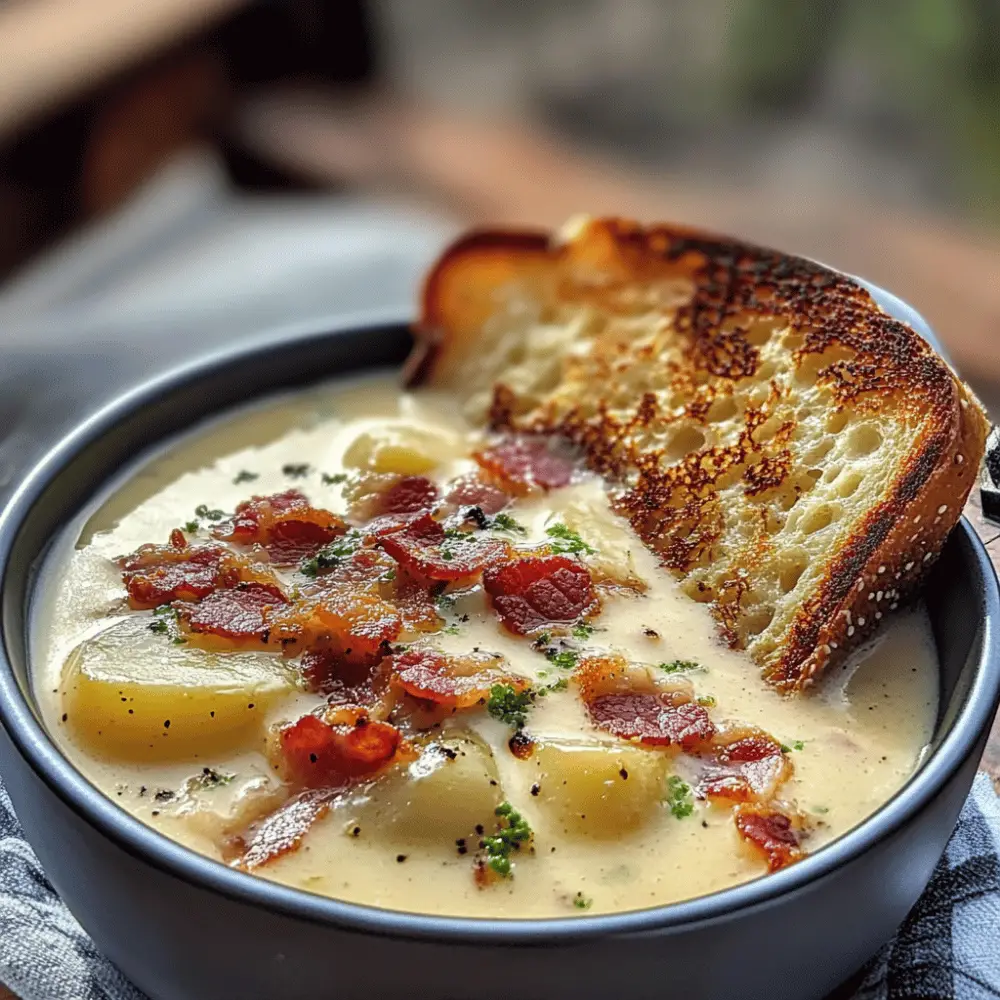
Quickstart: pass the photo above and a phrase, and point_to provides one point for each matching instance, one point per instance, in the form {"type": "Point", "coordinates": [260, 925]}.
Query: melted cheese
{"type": "Point", "coordinates": [403, 842]}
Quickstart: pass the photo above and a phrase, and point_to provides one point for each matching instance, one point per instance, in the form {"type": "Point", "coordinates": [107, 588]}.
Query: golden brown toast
{"type": "Point", "coordinates": [794, 455]}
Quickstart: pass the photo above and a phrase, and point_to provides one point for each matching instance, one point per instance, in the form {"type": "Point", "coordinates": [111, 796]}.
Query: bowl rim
{"type": "Point", "coordinates": [43, 756]}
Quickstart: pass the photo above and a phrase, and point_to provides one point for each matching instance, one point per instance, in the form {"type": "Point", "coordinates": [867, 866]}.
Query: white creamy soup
{"type": "Point", "coordinates": [556, 731]}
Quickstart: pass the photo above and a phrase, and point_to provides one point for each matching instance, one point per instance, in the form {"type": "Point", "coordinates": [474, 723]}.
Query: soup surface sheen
{"type": "Point", "coordinates": [616, 826]}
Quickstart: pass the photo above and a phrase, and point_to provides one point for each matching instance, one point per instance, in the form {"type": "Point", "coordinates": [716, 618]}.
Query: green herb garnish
{"type": "Point", "coordinates": [583, 631]}
{"type": "Point", "coordinates": [333, 554]}
{"type": "Point", "coordinates": [567, 542]}
{"type": "Point", "coordinates": [203, 512]}
{"type": "Point", "coordinates": [158, 625]}
{"type": "Point", "coordinates": [512, 831]}
{"type": "Point", "coordinates": [296, 470]}
{"type": "Point", "coordinates": [582, 902]}
{"type": "Point", "coordinates": [191, 527]}
{"type": "Point", "coordinates": [508, 705]}
{"type": "Point", "coordinates": [504, 522]}
{"type": "Point", "coordinates": [795, 745]}
{"type": "Point", "coordinates": [452, 629]}
{"type": "Point", "coordinates": [559, 685]}
{"type": "Point", "coordinates": [707, 700]}
{"type": "Point", "coordinates": [679, 797]}
{"type": "Point", "coordinates": [565, 659]}
{"type": "Point", "coordinates": [335, 480]}
{"type": "Point", "coordinates": [679, 666]}
{"type": "Point", "coordinates": [245, 476]}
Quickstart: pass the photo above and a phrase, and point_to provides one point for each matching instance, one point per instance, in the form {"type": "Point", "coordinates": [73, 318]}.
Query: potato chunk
{"type": "Point", "coordinates": [600, 790]}
{"type": "Point", "coordinates": [131, 693]}
{"type": "Point", "coordinates": [441, 796]}
{"type": "Point", "coordinates": [406, 451]}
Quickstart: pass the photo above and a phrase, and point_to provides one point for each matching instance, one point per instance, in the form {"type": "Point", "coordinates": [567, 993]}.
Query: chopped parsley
{"type": "Point", "coordinates": [567, 542]}
{"type": "Point", "coordinates": [707, 700]}
{"type": "Point", "coordinates": [795, 745]}
{"type": "Point", "coordinates": [679, 797]}
{"type": "Point", "coordinates": [296, 470]}
{"type": "Point", "coordinates": [565, 659]}
{"type": "Point", "coordinates": [452, 629]}
{"type": "Point", "coordinates": [335, 480]}
{"type": "Point", "coordinates": [508, 705]}
{"type": "Point", "coordinates": [582, 902]}
{"type": "Point", "coordinates": [202, 511]}
{"type": "Point", "coordinates": [445, 601]}
{"type": "Point", "coordinates": [164, 620]}
{"type": "Point", "coordinates": [512, 831]}
{"type": "Point", "coordinates": [559, 685]}
{"type": "Point", "coordinates": [333, 554]}
{"type": "Point", "coordinates": [191, 527]}
{"type": "Point", "coordinates": [504, 522]}
{"type": "Point", "coordinates": [543, 640]}
{"type": "Point", "coordinates": [583, 631]}
{"type": "Point", "coordinates": [679, 666]}
{"type": "Point", "coordinates": [245, 476]}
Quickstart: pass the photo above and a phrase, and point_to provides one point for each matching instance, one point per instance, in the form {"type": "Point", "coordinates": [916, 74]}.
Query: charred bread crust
{"type": "Point", "coordinates": [872, 363]}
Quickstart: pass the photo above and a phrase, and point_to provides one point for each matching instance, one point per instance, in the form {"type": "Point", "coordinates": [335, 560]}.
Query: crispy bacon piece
{"type": "Point", "coordinates": [238, 614]}
{"type": "Point", "coordinates": [409, 495]}
{"type": "Point", "coordinates": [157, 574]}
{"type": "Point", "coordinates": [772, 832]}
{"type": "Point", "coordinates": [652, 719]}
{"type": "Point", "coordinates": [374, 571]}
{"type": "Point", "coordinates": [285, 524]}
{"type": "Point", "coordinates": [343, 682]}
{"type": "Point", "coordinates": [321, 754]}
{"type": "Point", "coordinates": [533, 592]}
{"type": "Point", "coordinates": [471, 491]}
{"type": "Point", "coordinates": [453, 681]}
{"type": "Point", "coordinates": [744, 767]}
{"type": "Point", "coordinates": [426, 551]}
{"type": "Point", "coordinates": [355, 625]}
{"type": "Point", "coordinates": [523, 464]}
{"type": "Point", "coordinates": [627, 701]}
{"type": "Point", "coordinates": [284, 830]}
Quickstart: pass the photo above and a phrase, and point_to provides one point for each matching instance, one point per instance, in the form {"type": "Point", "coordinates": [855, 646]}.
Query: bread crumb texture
{"type": "Point", "coordinates": [791, 452]}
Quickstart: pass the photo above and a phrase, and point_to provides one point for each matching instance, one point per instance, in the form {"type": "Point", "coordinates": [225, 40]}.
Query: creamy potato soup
{"type": "Point", "coordinates": [347, 643]}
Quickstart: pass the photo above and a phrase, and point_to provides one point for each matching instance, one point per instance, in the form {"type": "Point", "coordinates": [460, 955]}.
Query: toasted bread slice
{"type": "Point", "coordinates": [794, 455]}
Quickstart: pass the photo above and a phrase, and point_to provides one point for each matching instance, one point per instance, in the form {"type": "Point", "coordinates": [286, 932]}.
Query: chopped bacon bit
{"type": "Point", "coordinates": [409, 495]}
{"type": "Point", "coordinates": [157, 574]}
{"type": "Point", "coordinates": [521, 745]}
{"type": "Point", "coordinates": [356, 625]}
{"type": "Point", "coordinates": [317, 754]}
{"type": "Point", "coordinates": [470, 491]}
{"type": "Point", "coordinates": [521, 464]}
{"type": "Point", "coordinates": [454, 681]}
{"type": "Point", "coordinates": [343, 682]}
{"type": "Point", "coordinates": [374, 571]}
{"type": "Point", "coordinates": [627, 702]}
{"type": "Point", "coordinates": [285, 524]}
{"type": "Point", "coordinates": [770, 831]}
{"type": "Point", "coordinates": [652, 719]}
{"type": "Point", "coordinates": [284, 830]}
{"type": "Point", "coordinates": [424, 549]}
{"type": "Point", "coordinates": [239, 613]}
{"type": "Point", "coordinates": [748, 768]}
{"type": "Point", "coordinates": [534, 592]}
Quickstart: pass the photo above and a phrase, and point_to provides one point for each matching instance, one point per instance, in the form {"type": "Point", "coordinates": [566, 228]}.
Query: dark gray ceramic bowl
{"type": "Point", "coordinates": [182, 926]}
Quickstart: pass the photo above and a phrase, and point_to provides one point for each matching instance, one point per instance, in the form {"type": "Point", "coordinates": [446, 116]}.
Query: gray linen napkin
{"type": "Point", "coordinates": [947, 949]}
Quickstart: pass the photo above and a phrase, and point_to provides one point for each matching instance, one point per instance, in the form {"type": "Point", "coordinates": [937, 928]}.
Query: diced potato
{"type": "Point", "coordinates": [444, 794]}
{"type": "Point", "coordinates": [600, 790]}
{"type": "Point", "coordinates": [406, 451]}
{"type": "Point", "coordinates": [131, 693]}
{"type": "Point", "coordinates": [609, 535]}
